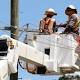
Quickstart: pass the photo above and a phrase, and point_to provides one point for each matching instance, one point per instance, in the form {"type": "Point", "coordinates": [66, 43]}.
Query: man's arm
{"type": "Point", "coordinates": [62, 25]}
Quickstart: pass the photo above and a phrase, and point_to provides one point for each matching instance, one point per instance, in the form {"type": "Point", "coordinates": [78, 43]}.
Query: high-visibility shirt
{"type": "Point", "coordinates": [47, 25]}
{"type": "Point", "coordinates": [73, 22]}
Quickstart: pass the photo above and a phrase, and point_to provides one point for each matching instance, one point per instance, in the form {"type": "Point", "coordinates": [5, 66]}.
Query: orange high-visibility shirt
{"type": "Point", "coordinates": [46, 25]}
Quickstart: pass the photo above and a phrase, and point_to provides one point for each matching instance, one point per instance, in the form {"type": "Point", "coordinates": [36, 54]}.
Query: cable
{"type": "Point", "coordinates": [21, 65]}
{"type": "Point", "coordinates": [33, 72]}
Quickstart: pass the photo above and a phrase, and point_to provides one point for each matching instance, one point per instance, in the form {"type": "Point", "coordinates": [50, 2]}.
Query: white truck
{"type": "Point", "coordinates": [43, 54]}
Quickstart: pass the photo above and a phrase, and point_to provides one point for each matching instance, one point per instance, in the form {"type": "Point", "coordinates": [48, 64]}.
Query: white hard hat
{"type": "Point", "coordinates": [50, 11]}
{"type": "Point", "coordinates": [71, 7]}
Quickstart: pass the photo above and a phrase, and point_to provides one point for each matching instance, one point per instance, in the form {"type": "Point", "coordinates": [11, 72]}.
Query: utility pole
{"type": "Point", "coordinates": [14, 19]}
{"type": "Point", "coordinates": [14, 28]}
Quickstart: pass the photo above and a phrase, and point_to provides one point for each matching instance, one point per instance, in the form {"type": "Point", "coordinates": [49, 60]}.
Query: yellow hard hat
{"type": "Point", "coordinates": [50, 11]}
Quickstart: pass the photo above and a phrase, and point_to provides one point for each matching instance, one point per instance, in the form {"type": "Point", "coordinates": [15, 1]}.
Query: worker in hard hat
{"type": "Point", "coordinates": [47, 24]}
{"type": "Point", "coordinates": [73, 20]}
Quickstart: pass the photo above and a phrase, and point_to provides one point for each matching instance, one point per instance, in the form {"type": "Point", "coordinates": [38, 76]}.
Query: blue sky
{"type": "Point", "coordinates": [31, 11]}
